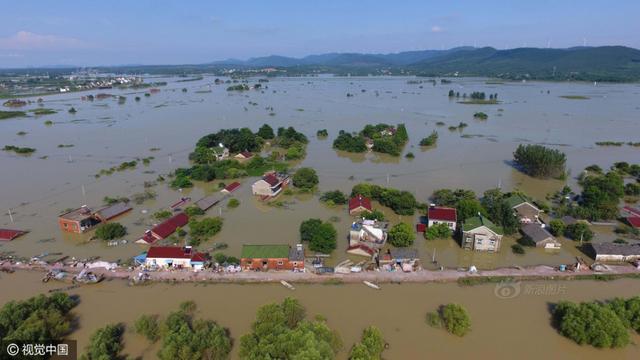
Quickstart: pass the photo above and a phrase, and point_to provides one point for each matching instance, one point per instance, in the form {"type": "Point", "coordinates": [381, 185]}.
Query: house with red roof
{"type": "Point", "coordinates": [9, 234]}
{"type": "Point", "coordinates": [244, 155]}
{"type": "Point", "coordinates": [270, 185]}
{"type": "Point", "coordinates": [164, 229]}
{"type": "Point", "coordinates": [174, 257]}
{"type": "Point", "coordinates": [359, 204]}
{"type": "Point", "coordinates": [442, 215]}
{"type": "Point", "coordinates": [231, 187]}
{"type": "Point", "coordinates": [634, 221]}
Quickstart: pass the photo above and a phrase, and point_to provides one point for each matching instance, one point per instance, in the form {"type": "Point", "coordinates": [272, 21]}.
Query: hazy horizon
{"type": "Point", "coordinates": [74, 33]}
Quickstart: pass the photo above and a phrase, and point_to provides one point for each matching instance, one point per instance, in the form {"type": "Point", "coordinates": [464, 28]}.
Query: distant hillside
{"type": "Point", "coordinates": [605, 63]}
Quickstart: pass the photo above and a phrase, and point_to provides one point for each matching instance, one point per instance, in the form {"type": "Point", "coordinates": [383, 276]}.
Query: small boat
{"type": "Point", "coordinates": [371, 285]}
{"type": "Point", "coordinates": [287, 285]}
{"type": "Point", "coordinates": [87, 277]}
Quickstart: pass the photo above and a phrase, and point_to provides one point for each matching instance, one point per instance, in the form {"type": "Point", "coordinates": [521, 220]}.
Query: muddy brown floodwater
{"type": "Point", "coordinates": [105, 133]}
{"type": "Point", "coordinates": [502, 328]}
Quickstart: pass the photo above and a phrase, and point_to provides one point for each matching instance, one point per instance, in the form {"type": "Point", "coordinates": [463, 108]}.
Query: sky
{"type": "Point", "coordinates": [118, 32]}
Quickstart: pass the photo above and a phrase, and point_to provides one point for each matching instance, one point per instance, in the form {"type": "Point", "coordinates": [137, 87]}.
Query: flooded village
{"type": "Point", "coordinates": [117, 204]}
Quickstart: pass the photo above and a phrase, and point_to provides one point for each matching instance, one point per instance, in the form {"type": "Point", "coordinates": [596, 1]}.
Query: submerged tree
{"type": "Point", "coordinates": [540, 161]}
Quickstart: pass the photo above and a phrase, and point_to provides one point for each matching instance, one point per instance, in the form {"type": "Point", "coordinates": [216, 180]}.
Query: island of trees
{"type": "Point", "coordinates": [382, 138]}
{"type": "Point", "coordinates": [540, 161]}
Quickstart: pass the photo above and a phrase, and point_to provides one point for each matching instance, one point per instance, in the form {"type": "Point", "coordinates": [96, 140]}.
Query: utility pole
{"type": "Point", "coordinates": [10, 216]}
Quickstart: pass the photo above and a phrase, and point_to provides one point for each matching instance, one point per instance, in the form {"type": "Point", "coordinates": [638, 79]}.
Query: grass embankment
{"type": "Point", "coordinates": [11, 114]}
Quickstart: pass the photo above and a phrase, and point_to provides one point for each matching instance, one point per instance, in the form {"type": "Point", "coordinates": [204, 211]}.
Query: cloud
{"type": "Point", "coordinates": [436, 29]}
{"type": "Point", "coordinates": [25, 40]}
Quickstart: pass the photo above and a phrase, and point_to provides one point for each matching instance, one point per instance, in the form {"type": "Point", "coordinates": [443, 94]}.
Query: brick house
{"type": "Point", "coordinates": [272, 257]}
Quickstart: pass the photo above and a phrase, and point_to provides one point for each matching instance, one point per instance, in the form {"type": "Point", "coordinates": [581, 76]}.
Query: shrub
{"type": "Point", "coordinates": [148, 326]}
{"type": "Point", "coordinates": [556, 227]}
{"type": "Point", "coordinates": [455, 319]}
{"type": "Point", "coordinates": [591, 323]}
{"type": "Point", "coordinates": [401, 235]}
{"type": "Point", "coordinates": [430, 140]}
{"type": "Point", "coordinates": [336, 197]}
{"type": "Point", "coordinates": [517, 249]}
{"type": "Point", "coordinates": [204, 229]}
{"type": "Point", "coordinates": [162, 214]}
{"type": "Point", "coordinates": [110, 231]}
{"type": "Point", "coordinates": [233, 203]}
{"type": "Point", "coordinates": [578, 230]}
{"type": "Point", "coordinates": [193, 210]}
{"type": "Point", "coordinates": [437, 231]}
{"type": "Point", "coordinates": [373, 215]}
{"type": "Point", "coordinates": [105, 343]}
{"type": "Point", "coordinates": [370, 347]}
{"type": "Point", "coordinates": [305, 178]}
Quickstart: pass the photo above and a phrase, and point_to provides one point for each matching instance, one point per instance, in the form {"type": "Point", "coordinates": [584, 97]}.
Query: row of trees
{"type": "Point", "coordinates": [540, 161]}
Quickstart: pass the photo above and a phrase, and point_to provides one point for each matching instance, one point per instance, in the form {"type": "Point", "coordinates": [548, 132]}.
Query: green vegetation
{"type": "Point", "coordinates": [498, 208]}
{"type": "Point", "coordinates": [335, 197]}
{"type": "Point", "coordinates": [323, 133]}
{"type": "Point", "coordinates": [162, 214]}
{"type": "Point", "coordinates": [148, 326]}
{"type": "Point", "coordinates": [465, 202]}
{"type": "Point", "coordinates": [305, 179]}
{"type": "Point", "coordinates": [201, 230]}
{"type": "Point", "coordinates": [430, 140]}
{"type": "Point", "coordinates": [281, 331]}
{"type": "Point", "coordinates": [386, 139]}
{"type": "Point", "coordinates": [19, 150]}
{"type": "Point", "coordinates": [221, 258]}
{"type": "Point", "coordinates": [111, 231]}
{"type": "Point", "coordinates": [233, 203]}
{"type": "Point", "coordinates": [11, 114]}
{"type": "Point", "coordinates": [238, 87]}
{"type": "Point", "coordinates": [401, 235]}
{"type": "Point", "coordinates": [578, 231]}
{"type": "Point", "coordinates": [370, 346]}
{"type": "Point", "coordinates": [600, 196]}
{"type": "Point", "coordinates": [373, 215]}
{"type": "Point", "coordinates": [517, 249]}
{"type": "Point", "coordinates": [602, 325]}
{"type": "Point", "coordinates": [410, 155]}
{"type": "Point", "coordinates": [266, 132]}
{"type": "Point", "coordinates": [609, 143]}
{"type": "Point", "coordinates": [42, 111]}
{"type": "Point", "coordinates": [65, 145]}
{"type": "Point", "coordinates": [480, 116]}
{"type": "Point", "coordinates": [72, 110]}
{"type": "Point", "coordinates": [437, 231]}
{"type": "Point", "coordinates": [181, 182]}
{"type": "Point", "coordinates": [37, 319]}
{"type": "Point", "coordinates": [452, 317]}
{"type": "Point", "coordinates": [236, 140]}
{"type": "Point", "coordinates": [575, 97]}
{"type": "Point", "coordinates": [105, 343]}
{"type": "Point", "coordinates": [48, 123]}
{"type": "Point", "coordinates": [184, 337]}
{"type": "Point", "coordinates": [401, 202]}
{"type": "Point", "coordinates": [556, 227]}
{"type": "Point", "coordinates": [321, 236]}
{"type": "Point", "coordinates": [540, 161]}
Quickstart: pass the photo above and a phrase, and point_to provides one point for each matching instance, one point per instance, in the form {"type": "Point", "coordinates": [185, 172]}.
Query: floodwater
{"type": "Point", "coordinates": [105, 133]}
{"type": "Point", "coordinates": [502, 328]}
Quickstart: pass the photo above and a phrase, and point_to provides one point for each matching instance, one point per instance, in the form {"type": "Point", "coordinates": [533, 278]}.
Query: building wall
{"type": "Point", "coordinates": [69, 225]}
{"type": "Point", "coordinates": [451, 224]}
{"type": "Point", "coordinates": [482, 239]}
{"type": "Point", "coordinates": [272, 264]}
{"type": "Point", "coordinates": [617, 258]}
{"type": "Point", "coordinates": [162, 262]}
{"type": "Point", "coordinates": [358, 210]}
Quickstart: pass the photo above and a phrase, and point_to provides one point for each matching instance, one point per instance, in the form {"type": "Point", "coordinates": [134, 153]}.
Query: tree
{"type": "Point", "coordinates": [233, 203]}
{"type": "Point", "coordinates": [455, 319]}
{"type": "Point", "coordinates": [578, 231]}
{"type": "Point", "coordinates": [335, 197]}
{"type": "Point", "coordinates": [186, 338]}
{"type": "Point", "coordinates": [591, 323]}
{"type": "Point", "coordinates": [322, 236]}
{"type": "Point", "coordinates": [370, 347]}
{"type": "Point", "coordinates": [148, 326]}
{"type": "Point", "coordinates": [110, 231]}
{"type": "Point", "coordinates": [281, 331]}
{"type": "Point", "coordinates": [266, 132]}
{"type": "Point", "coordinates": [437, 231]}
{"type": "Point", "coordinates": [373, 215]}
{"type": "Point", "coordinates": [350, 143]}
{"type": "Point", "coordinates": [305, 178]}
{"type": "Point", "coordinates": [401, 235]}
{"type": "Point", "coordinates": [204, 229]}
{"type": "Point", "coordinates": [105, 343]}
{"type": "Point", "coordinates": [401, 202]}
{"type": "Point", "coordinates": [430, 140]}
{"type": "Point", "coordinates": [540, 161]}
{"type": "Point", "coordinates": [193, 210]}
{"type": "Point", "coordinates": [601, 195]}
{"type": "Point", "coordinates": [556, 227]}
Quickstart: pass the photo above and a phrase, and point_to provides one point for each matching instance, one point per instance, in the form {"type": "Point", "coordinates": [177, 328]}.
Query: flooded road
{"type": "Point", "coordinates": [502, 328]}
{"type": "Point", "coordinates": [105, 133]}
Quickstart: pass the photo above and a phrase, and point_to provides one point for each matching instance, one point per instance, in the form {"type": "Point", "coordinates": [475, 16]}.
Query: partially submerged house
{"type": "Point", "coordinates": [174, 257]}
{"type": "Point", "coordinates": [9, 234]}
{"type": "Point", "coordinates": [78, 220]}
{"type": "Point", "coordinates": [209, 201]}
{"type": "Point", "coordinates": [231, 187]}
{"type": "Point", "coordinates": [525, 210]}
{"type": "Point", "coordinates": [539, 236]}
{"type": "Point", "coordinates": [270, 185]}
{"type": "Point", "coordinates": [359, 204]}
{"type": "Point", "coordinates": [164, 229]}
{"type": "Point", "coordinates": [442, 215]}
{"type": "Point", "coordinates": [272, 257]}
{"type": "Point", "coordinates": [366, 237]}
{"type": "Point", "coordinates": [616, 252]}
{"type": "Point", "coordinates": [399, 256]}
{"type": "Point", "coordinates": [85, 218]}
{"type": "Point", "coordinates": [480, 234]}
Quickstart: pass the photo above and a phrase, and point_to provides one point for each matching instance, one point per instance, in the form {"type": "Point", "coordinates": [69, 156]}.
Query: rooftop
{"type": "Point", "coordinates": [271, 179]}
{"type": "Point", "coordinates": [8, 234]}
{"type": "Point", "coordinates": [535, 232]}
{"type": "Point", "coordinates": [112, 211]}
{"type": "Point", "coordinates": [442, 213]}
{"type": "Point", "coordinates": [515, 200]}
{"type": "Point", "coordinates": [616, 249]}
{"type": "Point", "coordinates": [358, 201]}
{"type": "Point", "coordinates": [404, 253]}
{"type": "Point", "coordinates": [169, 226]}
{"type": "Point", "coordinates": [265, 252]}
{"type": "Point", "coordinates": [78, 214]}
{"type": "Point", "coordinates": [478, 221]}
{"type": "Point", "coordinates": [232, 187]}
{"type": "Point", "coordinates": [174, 252]}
